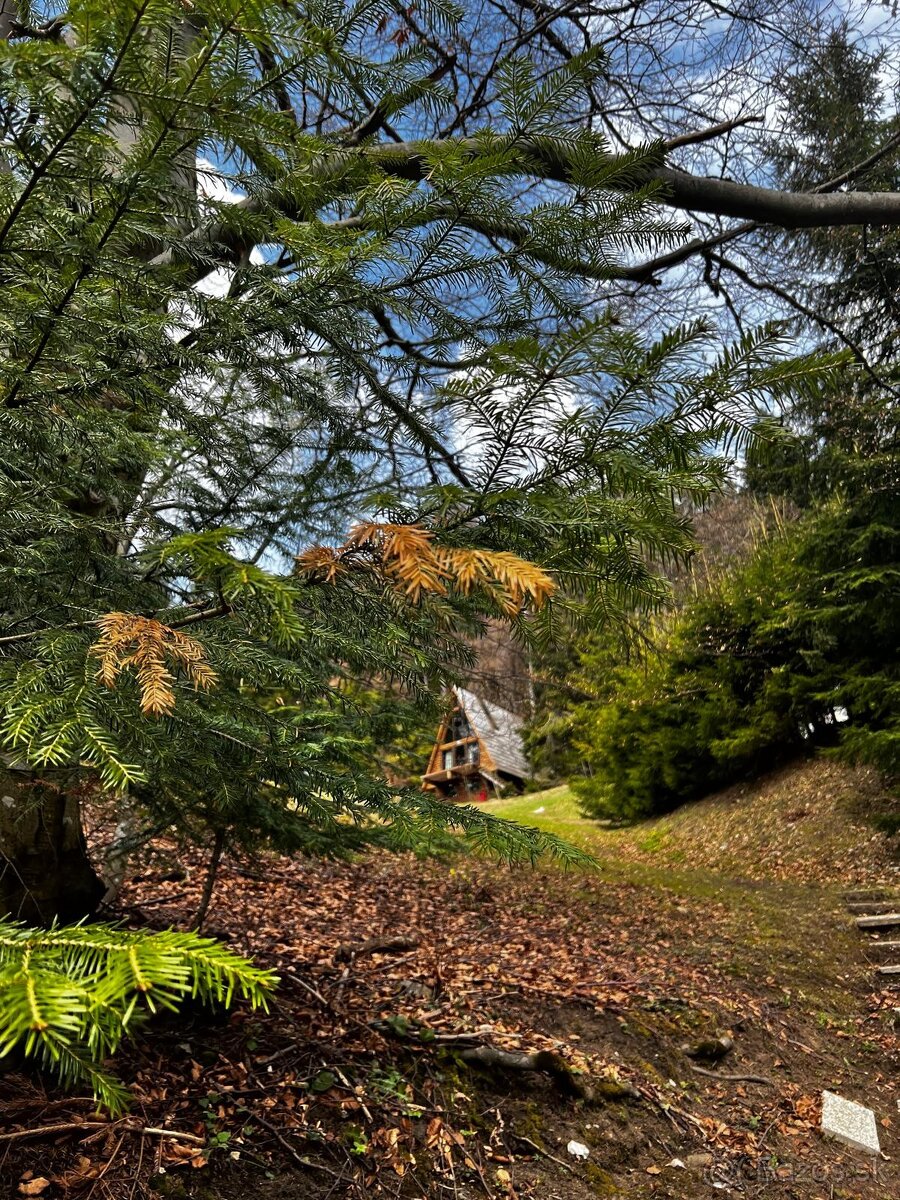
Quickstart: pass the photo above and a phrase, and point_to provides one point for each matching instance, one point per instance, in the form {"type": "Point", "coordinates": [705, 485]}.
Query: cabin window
{"type": "Point", "coordinates": [459, 727]}
{"type": "Point", "coordinates": [448, 759]}
{"type": "Point", "coordinates": [460, 752]}
{"type": "Point", "coordinates": [473, 752]}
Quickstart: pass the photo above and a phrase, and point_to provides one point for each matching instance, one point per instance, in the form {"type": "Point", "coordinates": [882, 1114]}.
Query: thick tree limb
{"type": "Point", "coordinates": [9, 12]}
{"type": "Point", "coordinates": [769, 206]}
{"type": "Point", "coordinates": [548, 159]}
{"type": "Point", "coordinates": [647, 272]}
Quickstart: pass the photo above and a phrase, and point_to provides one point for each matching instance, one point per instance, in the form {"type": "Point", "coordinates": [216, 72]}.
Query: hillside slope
{"type": "Point", "coordinates": [813, 821]}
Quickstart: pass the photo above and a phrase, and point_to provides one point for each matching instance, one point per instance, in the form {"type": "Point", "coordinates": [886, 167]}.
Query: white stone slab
{"type": "Point", "coordinates": [850, 1123]}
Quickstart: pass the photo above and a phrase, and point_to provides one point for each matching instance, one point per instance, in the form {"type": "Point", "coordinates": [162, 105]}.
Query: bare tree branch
{"type": "Point", "coordinates": [811, 315]}
{"type": "Point", "coordinates": [706, 135]}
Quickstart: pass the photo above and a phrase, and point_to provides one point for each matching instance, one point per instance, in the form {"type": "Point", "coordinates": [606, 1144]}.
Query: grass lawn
{"type": "Point", "coordinates": [555, 811]}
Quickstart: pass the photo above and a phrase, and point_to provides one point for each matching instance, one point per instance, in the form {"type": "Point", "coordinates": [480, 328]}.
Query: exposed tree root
{"type": "Point", "coordinates": [377, 945]}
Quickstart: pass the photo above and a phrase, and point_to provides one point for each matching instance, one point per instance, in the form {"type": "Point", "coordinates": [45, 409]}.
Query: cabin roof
{"type": "Point", "coordinates": [499, 731]}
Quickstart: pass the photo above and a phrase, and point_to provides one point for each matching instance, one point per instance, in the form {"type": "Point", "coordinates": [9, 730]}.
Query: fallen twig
{"type": "Point", "coordinates": [172, 1133]}
{"type": "Point", "coordinates": [732, 1078]}
{"type": "Point", "coordinates": [520, 1137]}
{"type": "Point", "coordinates": [347, 1084]}
{"type": "Point", "coordinates": [39, 1131]}
{"type": "Point", "coordinates": [295, 978]}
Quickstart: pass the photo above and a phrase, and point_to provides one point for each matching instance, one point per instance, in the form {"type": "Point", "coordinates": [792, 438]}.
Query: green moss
{"type": "Point", "coordinates": [652, 1072]}
{"type": "Point", "coordinates": [600, 1181]}
{"type": "Point", "coordinates": [610, 1091]}
{"type": "Point", "coordinates": [654, 841]}
{"type": "Point", "coordinates": [530, 1124]}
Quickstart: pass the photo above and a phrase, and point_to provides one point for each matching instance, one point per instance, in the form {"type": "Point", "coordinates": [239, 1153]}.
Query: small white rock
{"type": "Point", "coordinates": [539, 810]}
{"type": "Point", "coordinates": [578, 1149]}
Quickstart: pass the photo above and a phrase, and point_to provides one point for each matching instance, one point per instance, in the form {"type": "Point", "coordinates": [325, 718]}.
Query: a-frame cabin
{"type": "Point", "coordinates": [478, 752]}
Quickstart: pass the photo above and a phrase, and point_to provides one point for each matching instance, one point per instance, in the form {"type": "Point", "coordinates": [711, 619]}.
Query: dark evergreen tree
{"type": "Point", "coordinates": [793, 651]}
{"type": "Point", "coordinates": [713, 701]}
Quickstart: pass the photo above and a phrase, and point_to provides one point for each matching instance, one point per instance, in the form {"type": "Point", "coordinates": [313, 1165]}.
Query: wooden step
{"type": "Point", "coordinates": [885, 921]}
{"type": "Point", "coordinates": [893, 969]}
{"type": "Point", "coordinates": [872, 906]}
{"type": "Point", "coordinates": [886, 947]}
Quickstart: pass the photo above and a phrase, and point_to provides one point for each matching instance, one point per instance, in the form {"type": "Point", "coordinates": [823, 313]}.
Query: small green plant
{"type": "Point", "coordinates": [323, 1082]}
{"type": "Point", "coordinates": [70, 994]}
{"type": "Point", "coordinates": [390, 1087]}
{"type": "Point", "coordinates": [217, 1141]}
{"type": "Point", "coordinates": [356, 1140]}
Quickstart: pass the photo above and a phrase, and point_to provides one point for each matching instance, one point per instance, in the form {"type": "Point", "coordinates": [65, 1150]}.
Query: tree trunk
{"type": "Point", "coordinates": [212, 871]}
{"type": "Point", "coordinates": [126, 838]}
{"type": "Point", "coordinates": [45, 872]}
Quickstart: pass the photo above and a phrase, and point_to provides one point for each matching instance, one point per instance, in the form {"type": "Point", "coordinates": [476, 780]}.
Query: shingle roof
{"type": "Point", "coordinates": [499, 730]}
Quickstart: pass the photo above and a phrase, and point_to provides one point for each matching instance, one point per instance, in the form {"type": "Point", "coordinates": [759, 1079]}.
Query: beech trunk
{"type": "Point", "coordinates": [45, 872]}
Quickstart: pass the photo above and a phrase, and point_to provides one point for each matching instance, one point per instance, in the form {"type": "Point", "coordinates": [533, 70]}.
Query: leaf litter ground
{"type": "Point", "coordinates": [359, 1082]}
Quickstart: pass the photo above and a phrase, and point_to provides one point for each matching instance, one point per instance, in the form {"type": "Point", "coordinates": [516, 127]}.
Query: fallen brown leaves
{"type": "Point", "coordinates": [813, 822]}
{"type": "Point", "coordinates": [389, 966]}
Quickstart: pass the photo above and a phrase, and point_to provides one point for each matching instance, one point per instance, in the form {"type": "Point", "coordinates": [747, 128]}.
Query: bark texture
{"type": "Point", "coordinates": [45, 871]}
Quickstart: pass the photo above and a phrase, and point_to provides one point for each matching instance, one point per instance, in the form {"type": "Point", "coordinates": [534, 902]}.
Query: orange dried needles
{"type": "Point", "coordinates": [155, 652]}
{"type": "Point", "coordinates": [411, 558]}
